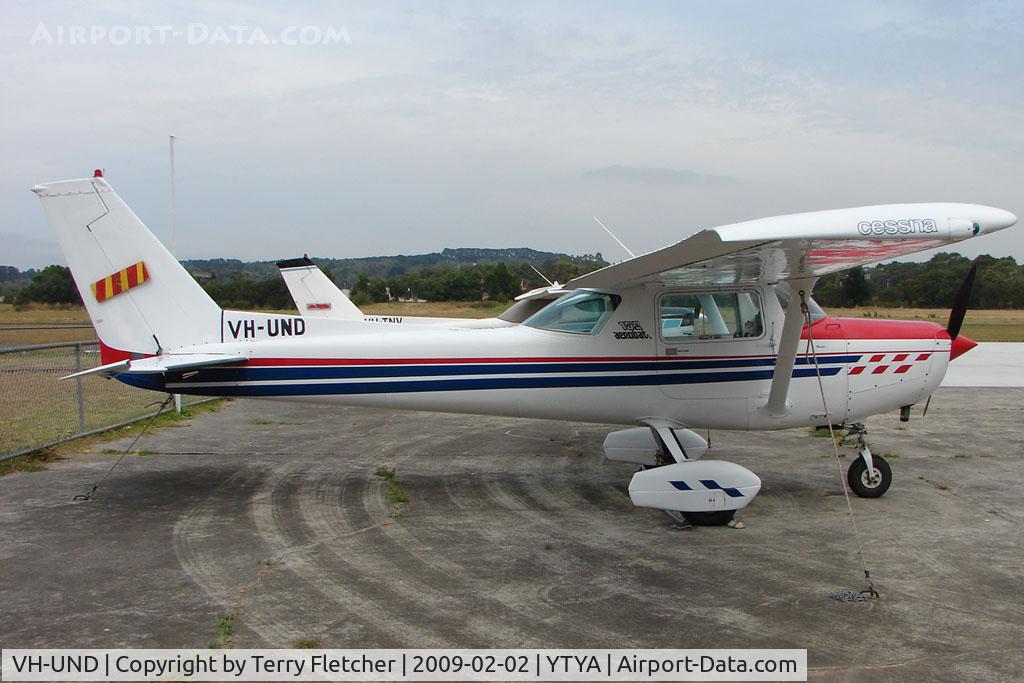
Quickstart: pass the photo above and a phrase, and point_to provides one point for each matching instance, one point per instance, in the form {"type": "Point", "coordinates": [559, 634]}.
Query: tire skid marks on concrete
{"type": "Point", "coordinates": [620, 531]}
{"type": "Point", "coordinates": [555, 568]}
{"type": "Point", "coordinates": [476, 593]}
{"type": "Point", "coordinates": [404, 579]}
{"type": "Point", "coordinates": [357, 596]}
{"type": "Point", "coordinates": [543, 567]}
{"type": "Point", "coordinates": [199, 542]}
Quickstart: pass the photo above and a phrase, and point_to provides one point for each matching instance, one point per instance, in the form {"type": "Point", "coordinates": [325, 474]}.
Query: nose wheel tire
{"type": "Point", "coordinates": [869, 485]}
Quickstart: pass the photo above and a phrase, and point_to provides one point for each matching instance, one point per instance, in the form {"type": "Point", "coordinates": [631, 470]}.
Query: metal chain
{"type": "Point", "coordinates": [869, 586]}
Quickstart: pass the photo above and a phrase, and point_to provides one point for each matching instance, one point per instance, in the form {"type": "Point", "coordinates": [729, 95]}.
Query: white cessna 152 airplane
{"type": "Point", "coordinates": [716, 331]}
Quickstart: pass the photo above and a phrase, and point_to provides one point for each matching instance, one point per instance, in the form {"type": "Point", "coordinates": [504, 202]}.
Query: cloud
{"type": "Point", "coordinates": [454, 124]}
{"type": "Point", "coordinates": [649, 175]}
{"type": "Point", "coordinates": [23, 252]}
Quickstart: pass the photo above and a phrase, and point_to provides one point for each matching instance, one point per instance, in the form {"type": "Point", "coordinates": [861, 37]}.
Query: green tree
{"type": "Point", "coordinates": [856, 291]}
{"type": "Point", "coordinates": [372, 288]}
{"type": "Point", "coordinates": [51, 285]}
{"type": "Point", "coordinates": [500, 283]}
{"type": "Point", "coordinates": [9, 274]}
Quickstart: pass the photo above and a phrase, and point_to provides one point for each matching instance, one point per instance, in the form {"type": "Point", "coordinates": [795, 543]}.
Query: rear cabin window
{"type": "Point", "coordinates": [693, 316]}
{"type": "Point", "coordinates": [577, 313]}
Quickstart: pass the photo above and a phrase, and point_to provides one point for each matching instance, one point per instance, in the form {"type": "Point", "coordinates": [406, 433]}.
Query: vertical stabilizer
{"type": "Point", "coordinates": [140, 299]}
{"type": "Point", "coordinates": [314, 294]}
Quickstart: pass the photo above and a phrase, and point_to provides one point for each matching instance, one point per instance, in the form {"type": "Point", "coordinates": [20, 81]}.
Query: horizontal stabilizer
{"type": "Point", "coordinates": [553, 292]}
{"type": "Point", "coordinates": [108, 369]}
{"type": "Point", "coordinates": [156, 365]}
{"type": "Point", "coordinates": [185, 361]}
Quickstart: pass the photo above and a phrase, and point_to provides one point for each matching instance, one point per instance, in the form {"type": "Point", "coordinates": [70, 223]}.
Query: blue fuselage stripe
{"type": "Point", "coordinates": [250, 374]}
{"type": "Point", "coordinates": [158, 382]}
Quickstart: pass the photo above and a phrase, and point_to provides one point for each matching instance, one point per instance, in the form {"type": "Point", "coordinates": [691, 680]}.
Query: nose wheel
{"type": "Point", "coordinates": [869, 483]}
{"type": "Point", "coordinates": [869, 475]}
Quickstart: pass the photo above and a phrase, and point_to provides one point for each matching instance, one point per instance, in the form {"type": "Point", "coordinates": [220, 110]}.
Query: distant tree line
{"type": "Point", "coordinates": [499, 282]}
{"type": "Point", "coordinates": [346, 271]}
{"type": "Point", "coordinates": [931, 284]}
{"type": "Point", "coordinates": [51, 285]}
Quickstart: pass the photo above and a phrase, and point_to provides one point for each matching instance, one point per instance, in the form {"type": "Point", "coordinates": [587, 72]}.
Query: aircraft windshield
{"type": "Point", "coordinates": [576, 312]}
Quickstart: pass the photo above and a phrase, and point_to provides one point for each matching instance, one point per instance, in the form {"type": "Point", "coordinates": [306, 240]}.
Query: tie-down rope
{"type": "Point", "coordinates": [869, 588]}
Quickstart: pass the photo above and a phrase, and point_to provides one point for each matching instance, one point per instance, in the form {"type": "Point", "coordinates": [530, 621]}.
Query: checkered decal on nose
{"type": "Point", "coordinates": [895, 365]}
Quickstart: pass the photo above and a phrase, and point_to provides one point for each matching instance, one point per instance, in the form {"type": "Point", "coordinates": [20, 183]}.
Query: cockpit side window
{"type": "Point", "coordinates": [694, 316]}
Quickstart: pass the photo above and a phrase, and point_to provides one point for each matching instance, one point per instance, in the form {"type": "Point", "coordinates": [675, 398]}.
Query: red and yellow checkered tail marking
{"type": "Point", "coordinates": [121, 281]}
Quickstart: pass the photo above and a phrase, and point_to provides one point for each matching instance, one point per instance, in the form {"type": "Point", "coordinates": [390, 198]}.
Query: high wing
{"type": "Point", "coordinates": [800, 246]}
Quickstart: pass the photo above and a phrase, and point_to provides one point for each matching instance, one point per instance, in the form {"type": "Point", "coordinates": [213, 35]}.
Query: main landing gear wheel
{"type": "Point", "coordinates": [716, 518]}
{"type": "Point", "coordinates": [871, 485]}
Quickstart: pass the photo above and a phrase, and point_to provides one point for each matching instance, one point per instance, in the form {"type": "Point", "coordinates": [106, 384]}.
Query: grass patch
{"type": "Point", "coordinates": [225, 633]}
{"type": "Point", "coordinates": [393, 489]}
{"type": "Point", "coordinates": [306, 644]}
{"type": "Point", "coordinates": [823, 433]}
{"type": "Point", "coordinates": [32, 462]}
{"type": "Point", "coordinates": [168, 419]}
{"type": "Point", "coordinates": [568, 445]}
{"type": "Point", "coordinates": [36, 461]}
{"type": "Point", "coordinates": [36, 408]}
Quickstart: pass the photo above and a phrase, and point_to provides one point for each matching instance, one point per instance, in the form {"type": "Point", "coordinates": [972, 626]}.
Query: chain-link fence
{"type": "Point", "coordinates": [37, 410]}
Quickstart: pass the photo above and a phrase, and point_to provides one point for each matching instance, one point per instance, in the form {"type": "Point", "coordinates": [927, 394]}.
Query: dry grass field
{"type": "Point", "coordinates": [980, 325]}
{"type": "Point", "coordinates": [35, 407]}
{"type": "Point", "coordinates": [440, 309]}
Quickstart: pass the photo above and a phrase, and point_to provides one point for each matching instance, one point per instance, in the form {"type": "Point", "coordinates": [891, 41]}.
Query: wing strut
{"type": "Point", "coordinates": [789, 344]}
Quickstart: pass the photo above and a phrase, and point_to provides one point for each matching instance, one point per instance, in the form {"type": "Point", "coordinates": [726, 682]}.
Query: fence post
{"type": "Point", "coordinates": [78, 382]}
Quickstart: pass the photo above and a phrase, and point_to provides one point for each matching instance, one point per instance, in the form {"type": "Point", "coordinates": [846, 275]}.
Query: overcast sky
{"type": "Point", "coordinates": [508, 124]}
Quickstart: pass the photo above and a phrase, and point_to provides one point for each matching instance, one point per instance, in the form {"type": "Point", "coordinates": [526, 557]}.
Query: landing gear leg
{"type": "Point", "coordinates": [869, 475]}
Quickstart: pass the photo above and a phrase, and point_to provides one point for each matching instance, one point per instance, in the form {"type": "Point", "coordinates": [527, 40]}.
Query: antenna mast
{"type": "Point", "coordinates": [174, 227]}
{"type": "Point", "coordinates": [631, 254]}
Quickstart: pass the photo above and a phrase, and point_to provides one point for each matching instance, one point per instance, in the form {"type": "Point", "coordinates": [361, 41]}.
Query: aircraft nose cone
{"type": "Point", "coordinates": [961, 345]}
{"type": "Point", "coordinates": [990, 219]}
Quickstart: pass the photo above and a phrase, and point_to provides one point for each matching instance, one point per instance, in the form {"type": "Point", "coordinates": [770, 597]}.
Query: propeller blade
{"type": "Point", "coordinates": [956, 316]}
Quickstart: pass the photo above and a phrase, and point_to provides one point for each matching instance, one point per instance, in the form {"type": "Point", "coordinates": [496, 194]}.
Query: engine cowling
{"type": "Point", "coordinates": [695, 486]}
